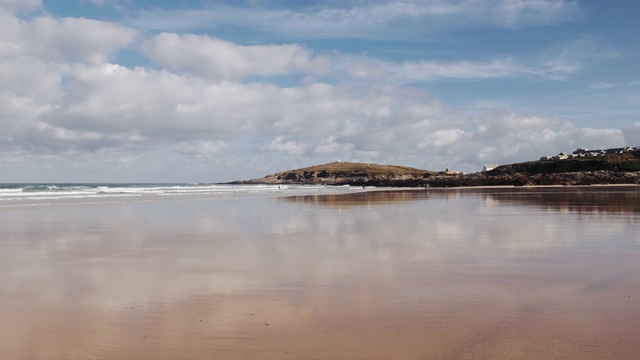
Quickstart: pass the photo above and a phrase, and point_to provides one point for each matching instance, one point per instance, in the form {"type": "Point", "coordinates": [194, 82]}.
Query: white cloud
{"type": "Point", "coordinates": [68, 134]}
{"type": "Point", "coordinates": [425, 70]}
{"type": "Point", "coordinates": [126, 112]}
{"type": "Point", "coordinates": [29, 77]}
{"type": "Point", "coordinates": [331, 147]}
{"type": "Point", "coordinates": [363, 68]}
{"type": "Point", "coordinates": [68, 39]}
{"type": "Point", "coordinates": [218, 59]}
{"type": "Point", "coordinates": [503, 137]}
{"type": "Point", "coordinates": [77, 39]}
{"type": "Point", "coordinates": [120, 108]}
{"type": "Point", "coordinates": [516, 13]}
{"type": "Point", "coordinates": [214, 103]}
{"type": "Point", "coordinates": [202, 148]}
{"type": "Point", "coordinates": [632, 135]}
{"type": "Point", "coordinates": [558, 63]}
{"type": "Point", "coordinates": [97, 2]}
{"type": "Point", "coordinates": [283, 145]}
{"type": "Point", "coordinates": [18, 5]}
{"type": "Point", "coordinates": [444, 137]}
{"type": "Point", "coordinates": [603, 85]}
{"type": "Point", "coordinates": [367, 19]}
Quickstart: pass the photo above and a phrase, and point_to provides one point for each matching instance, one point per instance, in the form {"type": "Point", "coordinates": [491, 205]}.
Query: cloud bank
{"type": "Point", "coordinates": [365, 19]}
{"type": "Point", "coordinates": [208, 109]}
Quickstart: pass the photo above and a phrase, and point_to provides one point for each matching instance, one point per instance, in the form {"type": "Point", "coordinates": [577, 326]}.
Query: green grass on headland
{"type": "Point", "coordinates": [363, 169]}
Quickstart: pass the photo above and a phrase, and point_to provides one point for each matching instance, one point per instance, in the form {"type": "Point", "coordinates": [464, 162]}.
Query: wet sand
{"type": "Point", "coordinates": [468, 274]}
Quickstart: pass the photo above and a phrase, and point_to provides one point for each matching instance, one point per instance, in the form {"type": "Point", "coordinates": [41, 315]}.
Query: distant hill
{"type": "Point", "coordinates": [605, 168]}
{"type": "Point", "coordinates": [348, 173]}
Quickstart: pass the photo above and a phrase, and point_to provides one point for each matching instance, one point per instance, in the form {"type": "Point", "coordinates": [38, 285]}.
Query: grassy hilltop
{"type": "Point", "coordinates": [346, 169]}
{"type": "Point", "coordinates": [348, 173]}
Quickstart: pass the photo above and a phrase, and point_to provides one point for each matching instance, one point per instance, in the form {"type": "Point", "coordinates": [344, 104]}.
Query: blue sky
{"type": "Point", "coordinates": [208, 91]}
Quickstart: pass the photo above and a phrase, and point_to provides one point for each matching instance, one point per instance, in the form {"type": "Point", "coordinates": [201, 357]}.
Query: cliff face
{"type": "Point", "coordinates": [614, 169]}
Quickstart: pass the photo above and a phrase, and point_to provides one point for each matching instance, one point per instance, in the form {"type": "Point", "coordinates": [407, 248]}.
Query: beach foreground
{"type": "Point", "coordinates": [545, 273]}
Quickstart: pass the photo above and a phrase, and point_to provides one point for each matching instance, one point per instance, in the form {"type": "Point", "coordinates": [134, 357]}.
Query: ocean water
{"type": "Point", "coordinates": [21, 194]}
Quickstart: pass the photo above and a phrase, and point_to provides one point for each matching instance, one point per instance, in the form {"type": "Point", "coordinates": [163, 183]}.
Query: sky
{"type": "Point", "coordinates": [214, 91]}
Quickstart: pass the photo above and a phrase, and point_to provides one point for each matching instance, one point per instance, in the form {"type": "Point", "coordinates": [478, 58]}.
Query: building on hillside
{"type": "Point", "coordinates": [582, 152]}
{"type": "Point", "coordinates": [486, 167]}
{"type": "Point", "coordinates": [617, 150]}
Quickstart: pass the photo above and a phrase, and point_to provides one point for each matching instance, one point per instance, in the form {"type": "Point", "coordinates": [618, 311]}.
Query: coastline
{"type": "Point", "coordinates": [62, 198]}
{"type": "Point", "coordinates": [467, 180]}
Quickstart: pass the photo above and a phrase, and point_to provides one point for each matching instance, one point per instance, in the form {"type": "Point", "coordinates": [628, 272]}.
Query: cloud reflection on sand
{"type": "Point", "coordinates": [197, 251]}
{"type": "Point", "coordinates": [299, 263]}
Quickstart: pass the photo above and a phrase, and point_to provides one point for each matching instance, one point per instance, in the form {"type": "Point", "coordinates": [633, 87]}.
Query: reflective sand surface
{"type": "Point", "coordinates": [549, 273]}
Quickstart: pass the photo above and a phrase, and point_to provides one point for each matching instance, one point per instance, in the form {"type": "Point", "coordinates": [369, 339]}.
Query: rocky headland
{"type": "Point", "coordinates": [348, 173]}
{"type": "Point", "coordinates": [614, 168]}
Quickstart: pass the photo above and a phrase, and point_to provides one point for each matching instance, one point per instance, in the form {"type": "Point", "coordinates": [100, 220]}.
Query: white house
{"type": "Point", "coordinates": [486, 167]}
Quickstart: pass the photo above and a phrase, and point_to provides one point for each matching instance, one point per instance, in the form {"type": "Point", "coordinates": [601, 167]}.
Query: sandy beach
{"type": "Point", "coordinates": [464, 274]}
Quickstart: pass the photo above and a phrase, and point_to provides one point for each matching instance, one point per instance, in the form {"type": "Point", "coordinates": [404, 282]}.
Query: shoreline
{"type": "Point", "coordinates": [434, 188]}
{"type": "Point", "coordinates": [300, 191]}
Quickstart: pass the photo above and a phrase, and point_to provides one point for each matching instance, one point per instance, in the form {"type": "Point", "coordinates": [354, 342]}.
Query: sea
{"type": "Point", "coordinates": [30, 194]}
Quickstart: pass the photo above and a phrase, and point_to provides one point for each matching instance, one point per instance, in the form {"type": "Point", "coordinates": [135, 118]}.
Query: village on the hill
{"type": "Point", "coordinates": [582, 152]}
